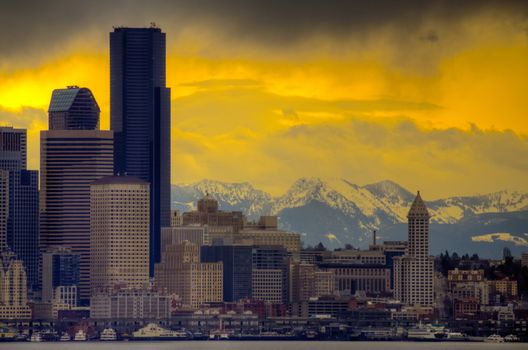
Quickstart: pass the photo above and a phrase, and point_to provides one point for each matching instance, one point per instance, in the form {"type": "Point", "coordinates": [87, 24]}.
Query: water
{"type": "Point", "coordinates": [258, 345]}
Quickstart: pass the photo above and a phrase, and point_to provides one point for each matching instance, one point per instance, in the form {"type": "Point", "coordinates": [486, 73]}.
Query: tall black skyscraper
{"type": "Point", "coordinates": [140, 118]}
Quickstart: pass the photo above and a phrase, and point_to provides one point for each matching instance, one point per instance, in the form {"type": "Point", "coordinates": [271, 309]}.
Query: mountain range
{"type": "Point", "coordinates": [336, 212]}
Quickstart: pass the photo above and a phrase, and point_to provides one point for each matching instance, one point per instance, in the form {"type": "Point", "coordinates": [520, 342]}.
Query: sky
{"type": "Point", "coordinates": [430, 94]}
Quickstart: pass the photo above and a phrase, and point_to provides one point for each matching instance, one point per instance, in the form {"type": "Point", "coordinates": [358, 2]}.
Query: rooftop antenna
{"type": "Point", "coordinates": [153, 25]}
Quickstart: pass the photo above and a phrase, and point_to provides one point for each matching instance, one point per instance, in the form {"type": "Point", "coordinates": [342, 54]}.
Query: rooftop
{"type": "Point", "coordinates": [418, 208]}
{"type": "Point", "coordinates": [108, 180]}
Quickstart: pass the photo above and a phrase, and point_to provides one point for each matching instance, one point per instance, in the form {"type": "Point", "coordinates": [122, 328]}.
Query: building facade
{"type": "Point", "coordinates": [119, 233]}
{"type": "Point", "coordinates": [61, 275]}
{"type": "Point", "coordinates": [70, 160]}
{"type": "Point", "coordinates": [140, 118]}
{"type": "Point", "coordinates": [179, 234]}
{"type": "Point", "coordinates": [13, 288]}
{"type": "Point", "coordinates": [73, 108]}
{"type": "Point", "coordinates": [237, 268]}
{"type": "Point", "coordinates": [131, 304]}
{"type": "Point", "coordinates": [413, 272]}
{"type": "Point", "coordinates": [19, 205]}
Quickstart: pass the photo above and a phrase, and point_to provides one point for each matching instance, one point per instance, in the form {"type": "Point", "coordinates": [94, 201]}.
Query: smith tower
{"type": "Point", "coordinates": [140, 118]}
{"type": "Point", "coordinates": [413, 284]}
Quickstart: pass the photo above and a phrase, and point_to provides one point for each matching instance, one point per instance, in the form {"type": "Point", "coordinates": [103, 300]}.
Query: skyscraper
{"type": "Point", "coordinates": [140, 118]}
{"type": "Point", "coordinates": [119, 233]}
{"type": "Point", "coordinates": [413, 272]}
{"type": "Point", "coordinates": [73, 108]}
{"type": "Point", "coordinates": [60, 275]}
{"type": "Point", "coordinates": [70, 160]}
{"type": "Point", "coordinates": [19, 208]}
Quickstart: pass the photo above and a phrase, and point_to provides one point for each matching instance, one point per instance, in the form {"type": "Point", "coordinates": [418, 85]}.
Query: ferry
{"type": "Point", "coordinates": [108, 334]}
{"type": "Point", "coordinates": [154, 332]}
{"type": "Point", "coordinates": [218, 335]}
{"type": "Point", "coordinates": [494, 338]}
{"type": "Point", "coordinates": [65, 337]}
{"type": "Point", "coordinates": [35, 337]}
{"type": "Point", "coordinates": [426, 333]}
{"type": "Point", "coordinates": [80, 335]}
{"type": "Point", "coordinates": [7, 334]}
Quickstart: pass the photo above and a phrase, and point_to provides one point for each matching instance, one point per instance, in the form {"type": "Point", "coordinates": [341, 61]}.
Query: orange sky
{"type": "Point", "coordinates": [444, 111]}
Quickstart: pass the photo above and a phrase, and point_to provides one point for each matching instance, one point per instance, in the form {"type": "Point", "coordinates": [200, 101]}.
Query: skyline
{"type": "Point", "coordinates": [425, 95]}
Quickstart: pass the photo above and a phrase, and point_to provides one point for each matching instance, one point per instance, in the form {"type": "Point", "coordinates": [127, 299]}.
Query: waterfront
{"type": "Point", "coordinates": [255, 345]}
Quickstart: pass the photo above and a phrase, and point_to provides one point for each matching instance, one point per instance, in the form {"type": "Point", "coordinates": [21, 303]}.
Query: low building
{"type": "Point", "coordinates": [179, 234]}
{"type": "Point", "coordinates": [13, 289]}
{"type": "Point", "coordinates": [131, 304]}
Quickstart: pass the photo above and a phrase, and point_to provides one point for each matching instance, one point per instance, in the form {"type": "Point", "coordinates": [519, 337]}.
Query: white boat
{"type": "Point", "coordinates": [65, 337]}
{"type": "Point", "coordinates": [108, 334]}
{"type": "Point", "coordinates": [511, 338]}
{"type": "Point", "coordinates": [456, 336]}
{"type": "Point", "coordinates": [494, 338]}
{"type": "Point", "coordinates": [218, 335]}
{"type": "Point", "coordinates": [154, 332]}
{"type": "Point", "coordinates": [426, 332]}
{"type": "Point", "coordinates": [80, 335]}
{"type": "Point", "coordinates": [35, 337]}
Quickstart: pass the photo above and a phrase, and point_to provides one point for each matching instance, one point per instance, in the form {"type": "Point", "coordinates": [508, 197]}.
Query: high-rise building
{"type": "Point", "coordinates": [13, 288]}
{"type": "Point", "coordinates": [119, 225]}
{"type": "Point", "coordinates": [70, 160]}
{"type": "Point", "coordinates": [73, 108]}
{"type": "Point", "coordinates": [19, 208]}
{"type": "Point", "coordinates": [180, 272]}
{"type": "Point", "coordinates": [237, 263]}
{"type": "Point", "coordinates": [176, 218]}
{"type": "Point", "coordinates": [413, 272]}
{"type": "Point", "coordinates": [13, 148]}
{"type": "Point", "coordinates": [140, 118]}
{"type": "Point", "coordinates": [179, 234]}
{"type": "Point", "coordinates": [60, 275]}
{"type": "Point", "coordinates": [270, 274]}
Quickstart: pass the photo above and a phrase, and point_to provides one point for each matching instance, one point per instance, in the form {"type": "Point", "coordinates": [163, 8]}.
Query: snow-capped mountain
{"type": "Point", "coordinates": [337, 211]}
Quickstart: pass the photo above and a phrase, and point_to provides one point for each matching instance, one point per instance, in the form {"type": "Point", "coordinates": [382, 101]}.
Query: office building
{"type": "Point", "coordinates": [270, 274]}
{"type": "Point", "coordinates": [176, 218]}
{"type": "Point", "coordinates": [237, 268]}
{"type": "Point", "coordinates": [13, 288]}
{"type": "Point", "coordinates": [70, 160]}
{"type": "Point", "coordinates": [119, 233]}
{"type": "Point", "coordinates": [131, 304]}
{"type": "Point", "coordinates": [140, 118]}
{"type": "Point", "coordinates": [524, 259]}
{"type": "Point", "coordinates": [413, 272]}
{"type": "Point", "coordinates": [181, 272]}
{"type": "Point", "coordinates": [61, 276]}
{"type": "Point", "coordinates": [179, 234]}
{"type": "Point", "coordinates": [19, 206]}
{"type": "Point", "coordinates": [207, 213]}
{"type": "Point", "coordinates": [73, 108]}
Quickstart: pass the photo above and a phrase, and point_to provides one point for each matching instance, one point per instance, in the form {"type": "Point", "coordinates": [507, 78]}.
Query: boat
{"type": "Point", "coordinates": [218, 335]}
{"type": "Point", "coordinates": [108, 334]}
{"type": "Point", "coordinates": [154, 332]}
{"type": "Point", "coordinates": [199, 336]}
{"type": "Point", "coordinates": [35, 337]}
{"type": "Point", "coordinates": [456, 336]}
{"type": "Point", "coordinates": [511, 338]}
{"type": "Point", "coordinates": [6, 334]}
{"type": "Point", "coordinates": [494, 338]}
{"type": "Point", "coordinates": [264, 336]}
{"type": "Point", "coordinates": [80, 335]}
{"type": "Point", "coordinates": [65, 337]}
{"type": "Point", "coordinates": [426, 333]}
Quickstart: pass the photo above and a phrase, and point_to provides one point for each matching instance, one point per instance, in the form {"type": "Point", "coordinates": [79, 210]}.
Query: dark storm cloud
{"type": "Point", "coordinates": [27, 26]}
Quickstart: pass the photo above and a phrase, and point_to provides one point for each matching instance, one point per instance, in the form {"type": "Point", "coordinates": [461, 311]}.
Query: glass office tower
{"type": "Point", "coordinates": [140, 118]}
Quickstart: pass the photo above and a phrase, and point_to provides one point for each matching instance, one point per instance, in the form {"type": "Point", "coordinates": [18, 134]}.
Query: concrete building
{"type": "Point", "coordinates": [307, 282]}
{"type": "Point", "coordinates": [352, 278]}
{"type": "Point", "coordinates": [266, 233]}
{"type": "Point", "coordinates": [61, 276]}
{"type": "Point", "coordinates": [270, 275]}
{"type": "Point", "coordinates": [208, 214]}
{"type": "Point", "coordinates": [179, 234]}
{"type": "Point", "coordinates": [176, 218]}
{"type": "Point", "coordinates": [70, 160]}
{"type": "Point", "coordinates": [13, 288]}
{"type": "Point", "coordinates": [131, 304]}
{"type": "Point", "coordinates": [120, 231]}
{"type": "Point", "coordinates": [413, 272]}
{"type": "Point", "coordinates": [180, 272]}
{"type": "Point", "coordinates": [524, 259]}
{"type": "Point", "coordinates": [4, 207]}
